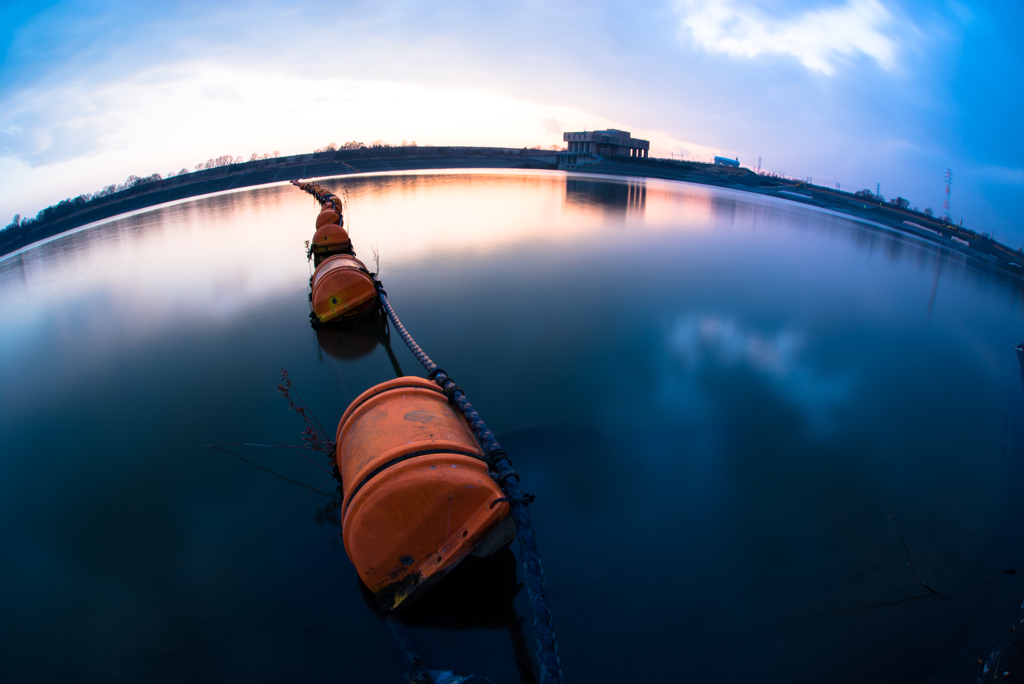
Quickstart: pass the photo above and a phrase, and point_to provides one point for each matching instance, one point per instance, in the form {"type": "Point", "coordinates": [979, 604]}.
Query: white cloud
{"type": "Point", "coordinates": [695, 339]}
{"type": "Point", "coordinates": [820, 38]}
{"type": "Point", "coordinates": [552, 126]}
{"type": "Point", "coordinates": [698, 342]}
{"type": "Point", "coordinates": [60, 140]}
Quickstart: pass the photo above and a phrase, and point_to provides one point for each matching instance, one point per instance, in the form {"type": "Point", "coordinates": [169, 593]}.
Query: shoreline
{"type": "Point", "coordinates": [265, 172]}
{"type": "Point", "coordinates": [376, 160]}
{"type": "Point", "coordinates": [929, 228]}
{"type": "Point", "coordinates": [1007, 656]}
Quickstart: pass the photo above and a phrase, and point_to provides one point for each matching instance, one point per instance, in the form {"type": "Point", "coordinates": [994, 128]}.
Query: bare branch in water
{"type": "Point", "coordinates": [997, 576]}
{"type": "Point", "coordinates": [910, 562]}
{"type": "Point", "coordinates": [907, 549]}
{"type": "Point", "coordinates": [267, 470]}
{"type": "Point", "coordinates": [278, 446]}
{"type": "Point", "coordinates": [874, 605]}
{"type": "Point", "coordinates": [268, 446]}
{"type": "Point", "coordinates": [313, 436]}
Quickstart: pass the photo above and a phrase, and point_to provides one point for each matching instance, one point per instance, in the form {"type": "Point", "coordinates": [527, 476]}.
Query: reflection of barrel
{"type": "Point", "coordinates": [345, 344]}
{"type": "Point", "coordinates": [342, 289]}
{"type": "Point", "coordinates": [417, 495]}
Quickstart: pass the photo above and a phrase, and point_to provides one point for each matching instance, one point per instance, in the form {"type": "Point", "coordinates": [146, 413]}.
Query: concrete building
{"type": "Point", "coordinates": [609, 143]}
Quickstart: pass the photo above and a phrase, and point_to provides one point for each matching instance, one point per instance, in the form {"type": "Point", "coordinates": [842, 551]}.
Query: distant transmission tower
{"type": "Point", "coordinates": [878, 189]}
{"type": "Point", "coordinates": [945, 205]}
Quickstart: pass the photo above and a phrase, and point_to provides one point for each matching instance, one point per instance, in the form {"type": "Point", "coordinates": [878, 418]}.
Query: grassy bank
{"type": "Point", "coordinates": [77, 212]}
{"type": "Point", "coordinates": [956, 238]}
{"type": "Point", "coordinates": [72, 214]}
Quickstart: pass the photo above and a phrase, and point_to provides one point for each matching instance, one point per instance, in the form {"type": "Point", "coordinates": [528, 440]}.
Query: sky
{"type": "Point", "coordinates": [863, 93]}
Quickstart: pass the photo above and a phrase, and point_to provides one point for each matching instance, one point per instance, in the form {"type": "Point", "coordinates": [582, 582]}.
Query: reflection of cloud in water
{"type": "Point", "coordinates": [702, 342]}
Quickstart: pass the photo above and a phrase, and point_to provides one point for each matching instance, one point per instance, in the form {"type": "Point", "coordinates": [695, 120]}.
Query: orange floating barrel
{"type": "Point", "coordinates": [328, 216]}
{"type": "Point", "coordinates": [342, 289]}
{"type": "Point", "coordinates": [418, 498]}
{"type": "Point", "coordinates": [330, 239]}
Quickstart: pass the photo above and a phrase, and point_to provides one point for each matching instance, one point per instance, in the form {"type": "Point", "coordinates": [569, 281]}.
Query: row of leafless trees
{"type": "Point", "coordinates": [227, 159]}
{"type": "Point", "coordinates": [898, 202]}
{"type": "Point", "coordinates": [19, 226]}
{"type": "Point", "coordinates": [355, 145]}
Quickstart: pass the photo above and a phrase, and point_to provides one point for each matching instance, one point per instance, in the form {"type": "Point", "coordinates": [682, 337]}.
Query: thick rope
{"type": "Point", "coordinates": [415, 670]}
{"type": "Point", "coordinates": [508, 479]}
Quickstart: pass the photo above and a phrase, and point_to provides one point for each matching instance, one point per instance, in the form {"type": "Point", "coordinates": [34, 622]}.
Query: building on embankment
{"type": "Point", "coordinates": [608, 143]}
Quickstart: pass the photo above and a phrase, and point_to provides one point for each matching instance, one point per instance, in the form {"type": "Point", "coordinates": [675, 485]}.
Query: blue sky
{"type": "Point", "coordinates": [857, 92]}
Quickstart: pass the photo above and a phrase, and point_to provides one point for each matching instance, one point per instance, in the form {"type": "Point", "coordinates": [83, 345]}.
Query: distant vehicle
{"type": "Point", "coordinates": [725, 161]}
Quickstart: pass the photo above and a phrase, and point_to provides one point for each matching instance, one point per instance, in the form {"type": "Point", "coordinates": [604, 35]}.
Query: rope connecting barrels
{"type": "Point", "coordinates": [415, 670]}
{"type": "Point", "coordinates": [350, 298]}
{"type": "Point", "coordinates": [508, 480]}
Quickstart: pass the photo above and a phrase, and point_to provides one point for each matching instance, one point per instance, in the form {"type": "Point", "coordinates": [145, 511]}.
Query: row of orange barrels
{"type": "Point", "coordinates": [418, 497]}
{"type": "Point", "coordinates": [341, 290]}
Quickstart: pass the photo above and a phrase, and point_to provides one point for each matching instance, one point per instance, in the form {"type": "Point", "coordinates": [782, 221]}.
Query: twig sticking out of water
{"type": "Point", "coordinates": [267, 470]}
{"type": "Point", "coordinates": [874, 605]}
{"type": "Point", "coordinates": [276, 446]}
{"type": "Point", "coordinates": [315, 441]}
{"type": "Point", "coordinates": [997, 576]}
{"type": "Point", "coordinates": [314, 433]}
{"type": "Point", "coordinates": [931, 592]}
{"type": "Point", "coordinates": [907, 549]}
{"type": "Point", "coordinates": [268, 446]}
{"type": "Point", "coordinates": [344, 201]}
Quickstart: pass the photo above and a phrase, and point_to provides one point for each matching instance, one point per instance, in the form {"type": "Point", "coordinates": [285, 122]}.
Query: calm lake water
{"type": "Point", "coordinates": [714, 396]}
